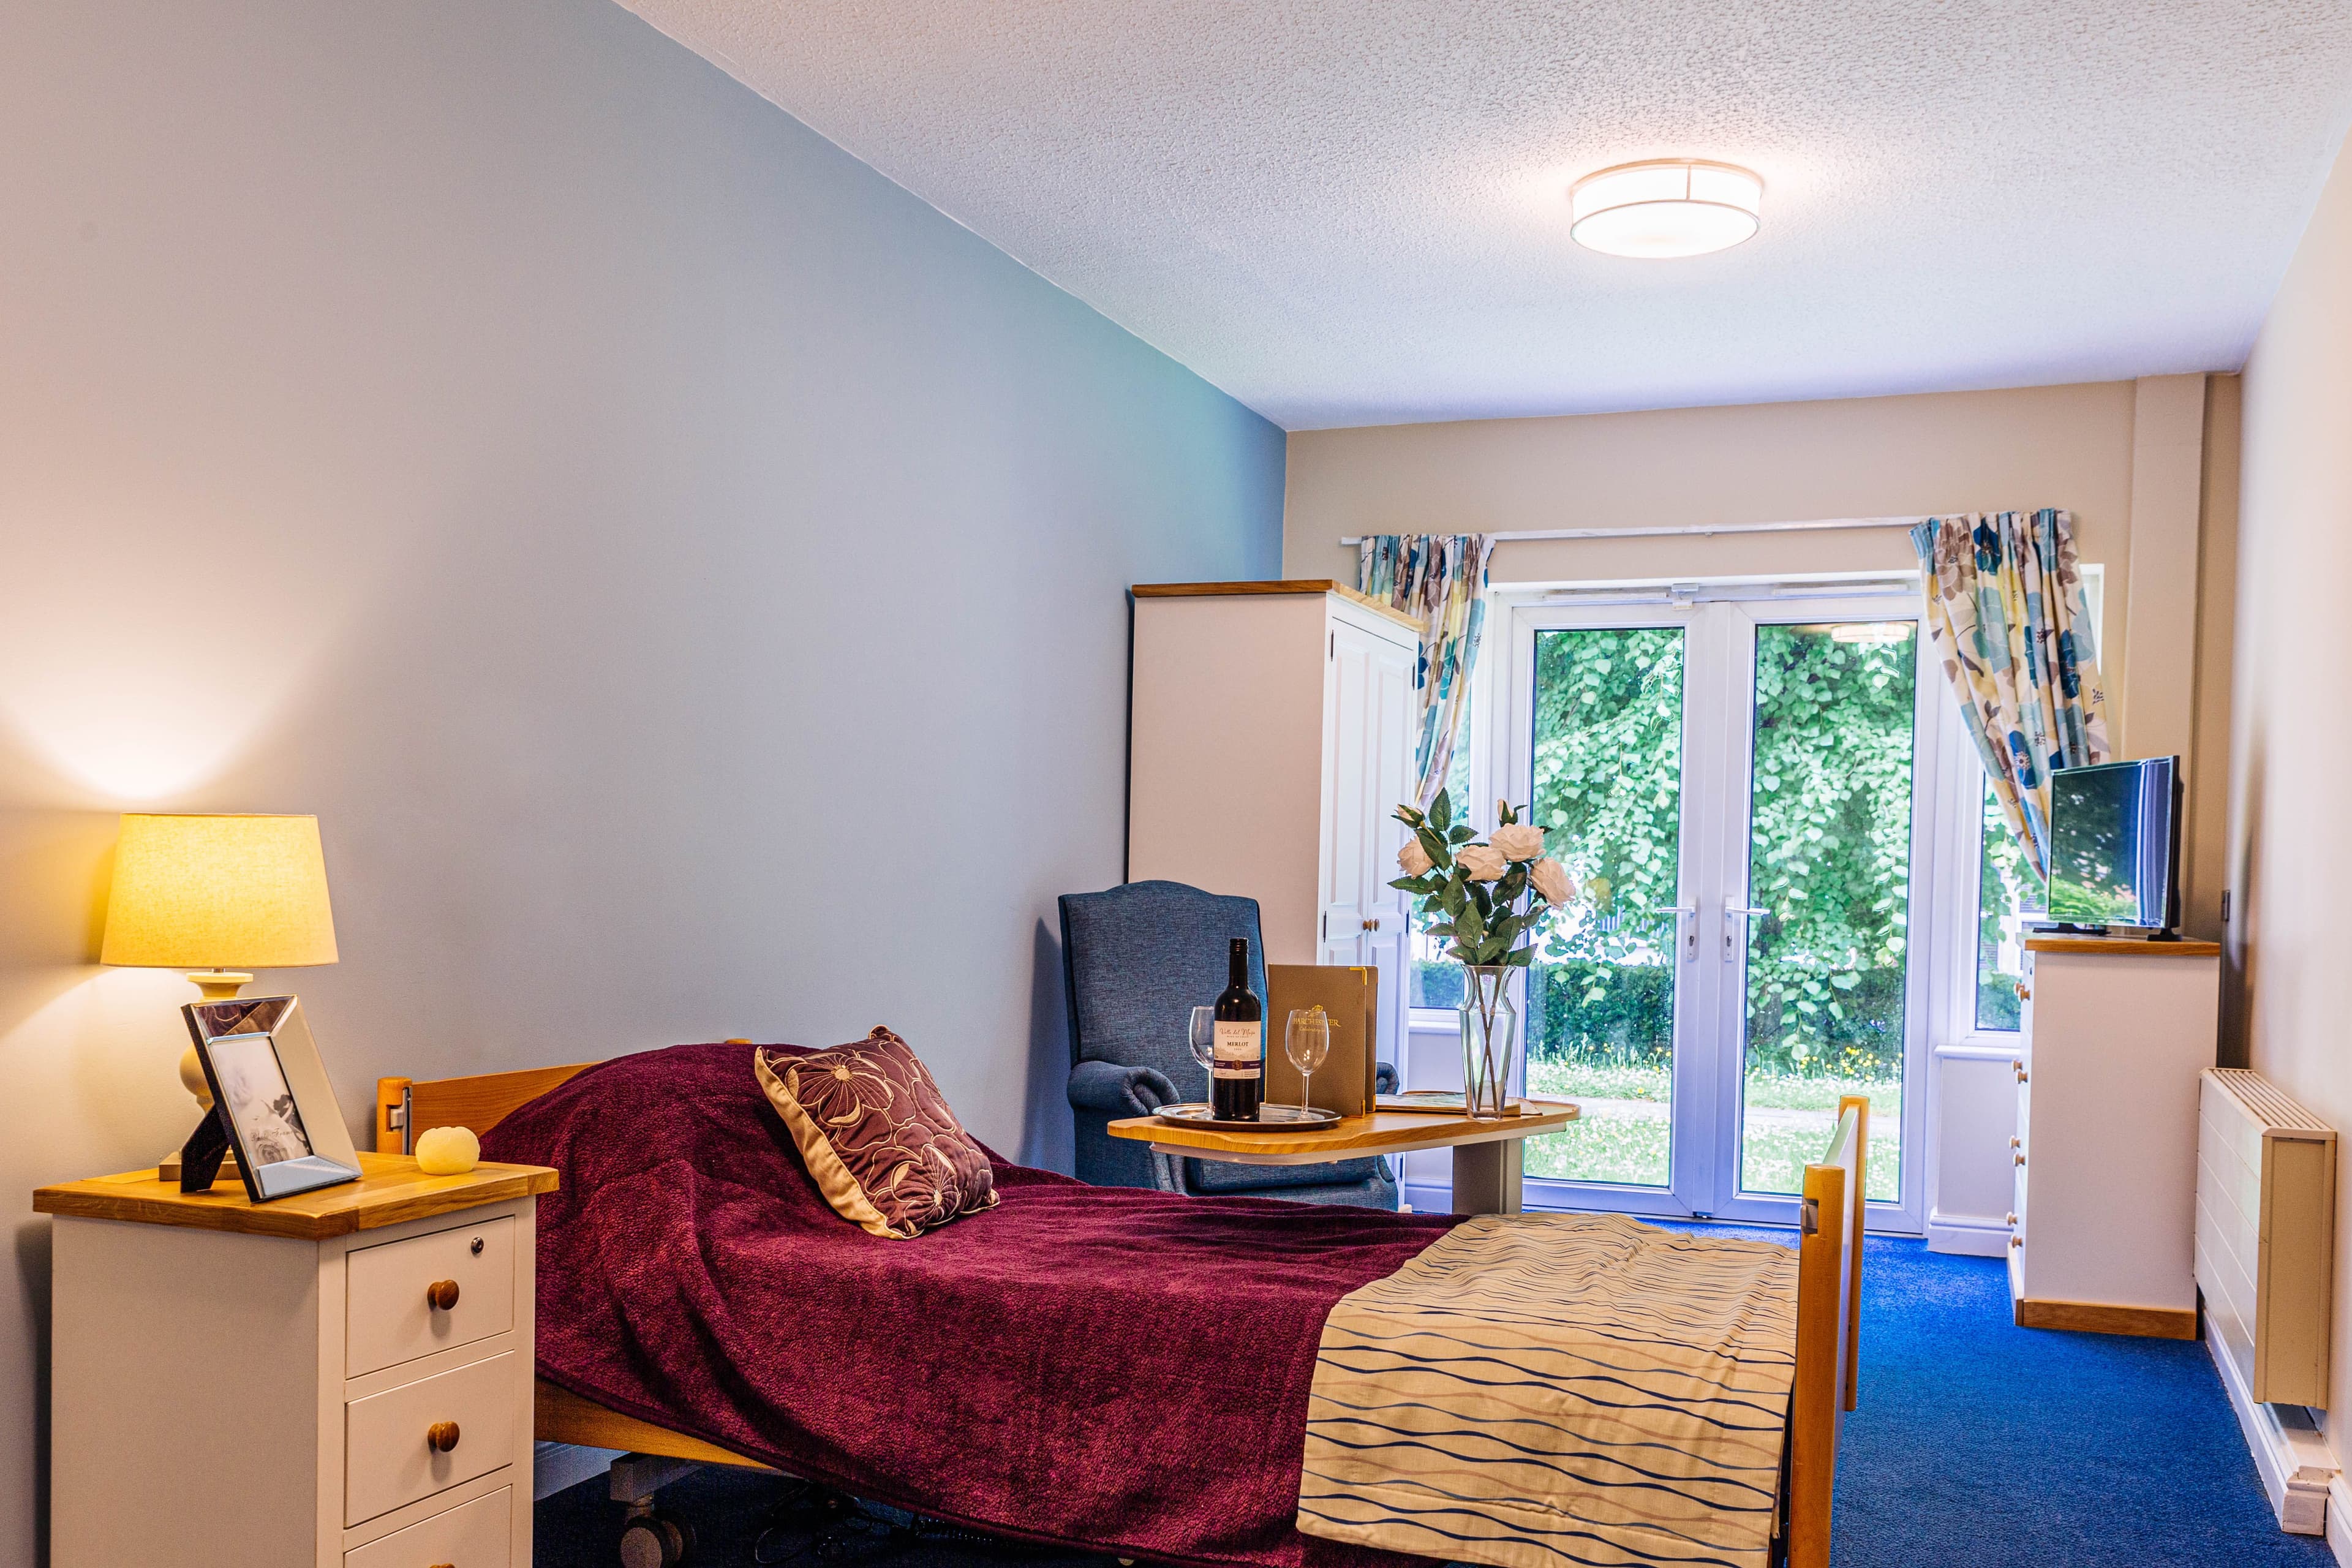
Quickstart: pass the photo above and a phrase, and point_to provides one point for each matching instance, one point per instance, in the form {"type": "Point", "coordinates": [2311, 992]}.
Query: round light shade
{"type": "Point", "coordinates": [1669, 207]}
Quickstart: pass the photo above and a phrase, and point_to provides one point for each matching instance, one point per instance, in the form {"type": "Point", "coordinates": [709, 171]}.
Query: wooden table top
{"type": "Point", "coordinates": [391, 1190]}
{"type": "Point", "coordinates": [1382, 1132]}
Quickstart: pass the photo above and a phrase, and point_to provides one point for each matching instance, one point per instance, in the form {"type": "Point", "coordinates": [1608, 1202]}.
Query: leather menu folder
{"type": "Point", "coordinates": [1349, 997]}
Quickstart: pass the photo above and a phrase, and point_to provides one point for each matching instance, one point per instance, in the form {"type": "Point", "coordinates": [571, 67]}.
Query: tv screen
{"type": "Point", "coordinates": [2113, 843]}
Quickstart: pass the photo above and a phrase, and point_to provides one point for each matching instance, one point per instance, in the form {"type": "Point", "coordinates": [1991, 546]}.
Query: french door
{"type": "Point", "coordinates": [1742, 785]}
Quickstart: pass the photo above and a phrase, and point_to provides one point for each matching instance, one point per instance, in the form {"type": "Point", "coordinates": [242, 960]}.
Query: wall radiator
{"type": "Point", "coordinates": [2265, 1235]}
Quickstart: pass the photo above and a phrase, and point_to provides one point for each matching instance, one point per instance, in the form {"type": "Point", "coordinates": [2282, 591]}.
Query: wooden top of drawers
{"type": "Point", "coordinates": [391, 1190]}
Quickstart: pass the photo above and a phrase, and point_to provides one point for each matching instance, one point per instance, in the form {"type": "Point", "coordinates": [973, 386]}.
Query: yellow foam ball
{"type": "Point", "coordinates": [447, 1151]}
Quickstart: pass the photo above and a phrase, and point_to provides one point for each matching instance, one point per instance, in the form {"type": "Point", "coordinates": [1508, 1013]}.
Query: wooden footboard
{"type": "Point", "coordinates": [1829, 1329]}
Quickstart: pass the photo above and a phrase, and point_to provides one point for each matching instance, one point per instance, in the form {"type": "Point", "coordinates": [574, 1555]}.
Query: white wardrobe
{"type": "Point", "coordinates": [1273, 727]}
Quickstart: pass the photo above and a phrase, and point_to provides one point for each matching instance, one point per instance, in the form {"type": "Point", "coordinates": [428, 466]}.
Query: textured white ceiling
{"type": "Point", "coordinates": [1352, 213]}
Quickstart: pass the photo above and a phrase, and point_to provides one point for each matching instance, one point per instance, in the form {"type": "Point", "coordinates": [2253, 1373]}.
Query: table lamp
{"type": "Point", "coordinates": [219, 896]}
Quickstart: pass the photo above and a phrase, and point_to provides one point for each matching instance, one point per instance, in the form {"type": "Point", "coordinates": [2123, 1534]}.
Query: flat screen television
{"type": "Point", "coordinates": [2114, 844]}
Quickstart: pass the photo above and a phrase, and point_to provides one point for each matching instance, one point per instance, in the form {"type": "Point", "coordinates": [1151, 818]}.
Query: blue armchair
{"type": "Point", "coordinates": [1136, 960]}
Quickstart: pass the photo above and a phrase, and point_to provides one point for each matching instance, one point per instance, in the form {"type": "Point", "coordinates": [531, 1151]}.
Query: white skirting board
{"type": "Point", "coordinates": [2298, 1469]}
{"type": "Point", "coordinates": [1970, 1235]}
{"type": "Point", "coordinates": [1427, 1199]}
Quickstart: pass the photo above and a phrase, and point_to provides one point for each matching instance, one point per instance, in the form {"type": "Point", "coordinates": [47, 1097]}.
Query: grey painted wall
{"type": "Point", "coordinates": [682, 569]}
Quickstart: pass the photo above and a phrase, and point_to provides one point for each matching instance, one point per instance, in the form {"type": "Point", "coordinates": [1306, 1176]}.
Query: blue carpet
{"type": "Point", "coordinates": [1978, 1445]}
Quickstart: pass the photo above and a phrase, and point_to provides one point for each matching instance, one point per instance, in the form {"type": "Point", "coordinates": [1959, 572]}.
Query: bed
{"type": "Point", "coordinates": [1114, 1369]}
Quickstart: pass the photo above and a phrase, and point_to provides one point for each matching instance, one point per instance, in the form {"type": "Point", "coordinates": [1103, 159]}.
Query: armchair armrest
{"type": "Point", "coordinates": [1384, 1078]}
{"type": "Point", "coordinates": [1115, 1089]}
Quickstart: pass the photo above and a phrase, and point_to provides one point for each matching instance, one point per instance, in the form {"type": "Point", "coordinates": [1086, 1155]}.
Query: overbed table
{"type": "Point", "coordinates": [1487, 1154]}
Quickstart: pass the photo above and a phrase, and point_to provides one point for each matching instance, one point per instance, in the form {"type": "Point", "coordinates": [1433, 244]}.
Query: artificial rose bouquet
{"type": "Point", "coordinates": [1485, 897]}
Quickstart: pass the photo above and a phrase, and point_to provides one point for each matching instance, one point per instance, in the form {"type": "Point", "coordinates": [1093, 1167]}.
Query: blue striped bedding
{"type": "Point", "coordinates": [1535, 1391]}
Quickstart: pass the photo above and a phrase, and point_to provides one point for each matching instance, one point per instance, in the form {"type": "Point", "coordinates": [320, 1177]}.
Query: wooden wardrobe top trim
{"type": "Point", "coordinates": [2124, 946]}
{"type": "Point", "coordinates": [1283, 585]}
{"type": "Point", "coordinates": [391, 1190]}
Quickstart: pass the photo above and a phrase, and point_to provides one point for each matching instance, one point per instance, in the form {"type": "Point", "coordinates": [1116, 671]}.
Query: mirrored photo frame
{"type": "Point", "coordinates": [272, 1101]}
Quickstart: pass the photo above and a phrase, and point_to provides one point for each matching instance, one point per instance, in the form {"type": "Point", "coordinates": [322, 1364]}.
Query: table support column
{"type": "Point", "coordinates": [1486, 1176]}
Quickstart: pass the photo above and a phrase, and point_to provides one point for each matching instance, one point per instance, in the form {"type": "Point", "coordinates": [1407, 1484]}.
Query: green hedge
{"type": "Point", "coordinates": [1620, 1015]}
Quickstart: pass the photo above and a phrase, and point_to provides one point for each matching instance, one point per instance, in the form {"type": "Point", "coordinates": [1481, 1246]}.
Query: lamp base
{"type": "Point", "coordinates": [220, 984]}
{"type": "Point", "coordinates": [167, 1170]}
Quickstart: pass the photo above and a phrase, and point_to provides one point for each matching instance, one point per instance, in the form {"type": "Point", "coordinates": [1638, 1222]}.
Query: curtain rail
{"type": "Point", "coordinates": [1702, 530]}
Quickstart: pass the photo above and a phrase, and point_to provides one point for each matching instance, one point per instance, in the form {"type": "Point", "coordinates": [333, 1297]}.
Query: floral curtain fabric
{"type": "Point", "coordinates": [2004, 596]}
{"type": "Point", "coordinates": [1440, 579]}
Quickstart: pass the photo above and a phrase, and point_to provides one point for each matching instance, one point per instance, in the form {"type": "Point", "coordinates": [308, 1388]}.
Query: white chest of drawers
{"type": "Point", "coordinates": [2103, 1222]}
{"type": "Point", "coordinates": [337, 1380]}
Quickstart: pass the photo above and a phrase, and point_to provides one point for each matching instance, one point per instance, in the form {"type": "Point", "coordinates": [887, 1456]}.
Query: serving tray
{"type": "Point", "coordinates": [1288, 1118]}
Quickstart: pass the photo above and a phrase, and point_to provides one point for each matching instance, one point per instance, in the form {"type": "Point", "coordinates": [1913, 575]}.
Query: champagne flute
{"type": "Point", "coordinates": [1202, 1038]}
{"type": "Point", "coordinates": [1306, 1041]}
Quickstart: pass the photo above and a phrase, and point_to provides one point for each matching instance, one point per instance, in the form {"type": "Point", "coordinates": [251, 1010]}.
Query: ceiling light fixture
{"type": "Point", "coordinates": [1666, 206]}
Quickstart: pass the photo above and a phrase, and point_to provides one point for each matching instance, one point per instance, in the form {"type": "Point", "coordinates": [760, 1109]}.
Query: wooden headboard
{"type": "Point", "coordinates": [407, 1105]}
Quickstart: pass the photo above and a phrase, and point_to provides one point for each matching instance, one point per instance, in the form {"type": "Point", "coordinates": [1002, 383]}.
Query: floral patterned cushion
{"type": "Point", "coordinates": [885, 1149]}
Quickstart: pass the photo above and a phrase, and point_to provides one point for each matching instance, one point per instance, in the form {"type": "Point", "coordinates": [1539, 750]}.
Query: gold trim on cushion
{"type": "Point", "coordinates": [833, 1178]}
{"type": "Point", "coordinates": [882, 1143]}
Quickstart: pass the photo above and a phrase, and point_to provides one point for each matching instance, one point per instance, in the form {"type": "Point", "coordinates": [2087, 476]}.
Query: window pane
{"type": "Point", "coordinates": [1601, 995]}
{"type": "Point", "coordinates": [1436, 980]}
{"type": "Point", "coordinates": [2010, 892]}
{"type": "Point", "coordinates": [1830, 865]}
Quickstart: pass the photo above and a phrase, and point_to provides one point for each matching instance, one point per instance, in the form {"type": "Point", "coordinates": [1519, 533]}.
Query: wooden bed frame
{"type": "Point", "coordinates": [1829, 1298]}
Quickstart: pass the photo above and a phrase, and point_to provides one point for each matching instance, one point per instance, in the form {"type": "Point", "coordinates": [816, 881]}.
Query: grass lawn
{"type": "Point", "coordinates": [1626, 1134]}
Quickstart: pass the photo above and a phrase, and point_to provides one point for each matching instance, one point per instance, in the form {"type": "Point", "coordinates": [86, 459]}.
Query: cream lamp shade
{"type": "Point", "coordinates": [219, 893]}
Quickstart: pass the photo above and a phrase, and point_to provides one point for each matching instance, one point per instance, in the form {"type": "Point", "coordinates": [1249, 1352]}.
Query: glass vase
{"type": "Point", "coordinates": [1490, 1039]}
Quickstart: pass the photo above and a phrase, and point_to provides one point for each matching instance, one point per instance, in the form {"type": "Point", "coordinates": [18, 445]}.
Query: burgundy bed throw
{"type": "Point", "coordinates": [1107, 1367]}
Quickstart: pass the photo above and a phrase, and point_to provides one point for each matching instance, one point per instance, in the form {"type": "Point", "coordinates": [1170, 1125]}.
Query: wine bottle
{"type": "Point", "coordinates": [1237, 1081]}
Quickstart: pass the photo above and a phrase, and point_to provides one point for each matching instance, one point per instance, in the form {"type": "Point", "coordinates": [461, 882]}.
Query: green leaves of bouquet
{"type": "Point", "coordinates": [1487, 898]}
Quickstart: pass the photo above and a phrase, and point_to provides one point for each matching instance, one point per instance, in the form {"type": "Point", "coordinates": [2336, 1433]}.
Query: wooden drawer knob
{"type": "Point", "coordinates": [2024, 991]}
{"type": "Point", "coordinates": [2021, 1159]}
{"type": "Point", "coordinates": [2017, 1241]}
{"type": "Point", "coordinates": [2017, 1143]}
{"type": "Point", "coordinates": [2012, 1220]}
{"type": "Point", "coordinates": [441, 1436]}
{"type": "Point", "coordinates": [441, 1295]}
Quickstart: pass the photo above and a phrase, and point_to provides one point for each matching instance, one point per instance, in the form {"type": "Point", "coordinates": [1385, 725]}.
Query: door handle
{"type": "Point", "coordinates": [1732, 932]}
{"type": "Point", "coordinates": [1688, 936]}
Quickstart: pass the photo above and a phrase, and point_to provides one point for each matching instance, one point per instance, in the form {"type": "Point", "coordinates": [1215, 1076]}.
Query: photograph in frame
{"type": "Point", "coordinates": [271, 1096]}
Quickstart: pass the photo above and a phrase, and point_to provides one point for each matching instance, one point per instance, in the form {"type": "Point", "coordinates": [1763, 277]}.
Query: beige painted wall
{"type": "Point", "coordinates": [2290, 831]}
{"type": "Point", "coordinates": [2129, 459]}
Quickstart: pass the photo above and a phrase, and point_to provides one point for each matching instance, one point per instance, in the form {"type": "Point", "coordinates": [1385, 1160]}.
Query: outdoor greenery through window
{"type": "Point", "coordinates": [1436, 979]}
{"type": "Point", "coordinates": [1830, 858]}
{"type": "Point", "coordinates": [1600, 1024]}
{"type": "Point", "coordinates": [2010, 892]}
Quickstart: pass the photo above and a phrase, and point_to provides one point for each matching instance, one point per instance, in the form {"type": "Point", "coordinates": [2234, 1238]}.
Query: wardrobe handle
{"type": "Point", "coordinates": [2021, 1159]}
{"type": "Point", "coordinates": [441, 1436]}
{"type": "Point", "coordinates": [441, 1295]}
{"type": "Point", "coordinates": [2024, 991]}
{"type": "Point", "coordinates": [2017, 1143]}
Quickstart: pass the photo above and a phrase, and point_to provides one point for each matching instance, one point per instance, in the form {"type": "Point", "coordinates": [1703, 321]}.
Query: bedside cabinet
{"type": "Point", "coordinates": [2111, 1041]}
{"type": "Point", "coordinates": [340, 1379]}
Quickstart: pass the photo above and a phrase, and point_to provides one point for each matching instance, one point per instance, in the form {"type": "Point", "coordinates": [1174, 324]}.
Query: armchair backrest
{"type": "Point", "coordinates": [1137, 958]}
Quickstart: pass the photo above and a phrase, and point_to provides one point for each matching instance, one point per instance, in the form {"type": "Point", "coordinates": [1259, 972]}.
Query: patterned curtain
{"type": "Point", "coordinates": [2005, 607]}
{"type": "Point", "coordinates": [1440, 579]}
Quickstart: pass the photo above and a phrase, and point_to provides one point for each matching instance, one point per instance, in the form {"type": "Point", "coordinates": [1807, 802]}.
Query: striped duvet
{"type": "Point", "coordinates": [1541, 1390]}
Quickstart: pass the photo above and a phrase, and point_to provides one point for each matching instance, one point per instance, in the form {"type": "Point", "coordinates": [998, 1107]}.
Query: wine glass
{"type": "Point", "coordinates": [1202, 1038]}
{"type": "Point", "coordinates": [1306, 1041]}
